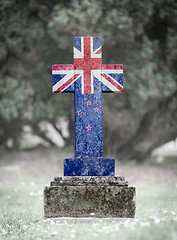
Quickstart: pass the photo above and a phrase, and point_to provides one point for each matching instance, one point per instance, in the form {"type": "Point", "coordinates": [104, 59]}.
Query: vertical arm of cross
{"type": "Point", "coordinates": [88, 99]}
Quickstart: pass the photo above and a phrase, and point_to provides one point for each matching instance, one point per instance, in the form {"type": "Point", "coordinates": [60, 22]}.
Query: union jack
{"type": "Point", "coordinates": [87, 66]}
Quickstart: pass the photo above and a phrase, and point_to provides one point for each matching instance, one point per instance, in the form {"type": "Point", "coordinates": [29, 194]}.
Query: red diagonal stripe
{"type": "Point", "coordinates": [99, 51]}
{"type": "Point", "coordinates": [112, 82]}
{"type": "Point", "coordinates": [66, 83]}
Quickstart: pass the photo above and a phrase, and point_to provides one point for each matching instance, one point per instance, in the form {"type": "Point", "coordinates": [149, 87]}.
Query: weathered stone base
{"type": "Point", "coordinates": [89, 197]}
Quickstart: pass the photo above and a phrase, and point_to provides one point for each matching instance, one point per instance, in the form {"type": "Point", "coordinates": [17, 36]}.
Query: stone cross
{"type": "Point", "coordinates": [88, 78]}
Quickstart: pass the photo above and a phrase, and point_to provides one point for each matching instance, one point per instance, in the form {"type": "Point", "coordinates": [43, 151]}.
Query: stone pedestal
{"type": "Point", "coordinates": [87, 196]}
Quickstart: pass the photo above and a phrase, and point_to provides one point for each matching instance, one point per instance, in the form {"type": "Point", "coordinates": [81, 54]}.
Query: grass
{"type": "Point", "coordinates": [21, 216]}
{"type": "Point", "coordinates": [21, 202]}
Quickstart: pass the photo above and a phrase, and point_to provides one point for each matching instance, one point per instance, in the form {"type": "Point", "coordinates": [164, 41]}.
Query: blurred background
{"type": "Point", "coordinates": [37, 127]}
{"type": "Point", "coordinates": [141, 35]}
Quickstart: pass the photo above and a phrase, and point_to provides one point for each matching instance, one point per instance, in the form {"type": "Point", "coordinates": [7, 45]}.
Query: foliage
{"type": "Point", "coordinates": [141, 35]}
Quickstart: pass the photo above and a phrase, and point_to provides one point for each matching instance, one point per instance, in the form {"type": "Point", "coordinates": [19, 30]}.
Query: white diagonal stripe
{"type": "Point", "coordinates": [97, 74]}
{"type": "Point", "coordinates": [63, 80]}
{"type": "Point", "coordinates": [70, 83]}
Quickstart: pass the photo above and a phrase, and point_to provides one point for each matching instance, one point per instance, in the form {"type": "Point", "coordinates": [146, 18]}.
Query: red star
{"type": "Point", "coordinates": [96, 109]}
{"type": "Point", "coordinates": [89, 128]}
{"type": "Point", "coordinates": [79, 112]}
{"type": "Point", "coordinates": [88, 102]}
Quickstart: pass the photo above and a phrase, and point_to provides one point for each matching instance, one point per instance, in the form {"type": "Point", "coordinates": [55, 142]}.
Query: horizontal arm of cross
{"type": "Point", "coordinates": [65, 75]}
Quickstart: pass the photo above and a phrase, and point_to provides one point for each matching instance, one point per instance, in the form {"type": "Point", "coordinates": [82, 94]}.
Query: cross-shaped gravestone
{"type": "Point", "coordinates": [88, 78]}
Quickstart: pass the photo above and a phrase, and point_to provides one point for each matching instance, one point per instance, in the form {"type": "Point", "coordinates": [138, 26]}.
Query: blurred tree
{"type": "Point", "coordinates": [141, 35]}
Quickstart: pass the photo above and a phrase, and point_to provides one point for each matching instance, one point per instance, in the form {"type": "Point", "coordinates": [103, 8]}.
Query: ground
{"type": "Point", "coordinates": [23, 176]}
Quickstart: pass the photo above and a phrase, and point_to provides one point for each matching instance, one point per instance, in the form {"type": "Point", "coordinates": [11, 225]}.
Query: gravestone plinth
{"type": "Point", "coordinates": [89, 197]}
{"type": "Point", "coordinates": [89, 186]}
